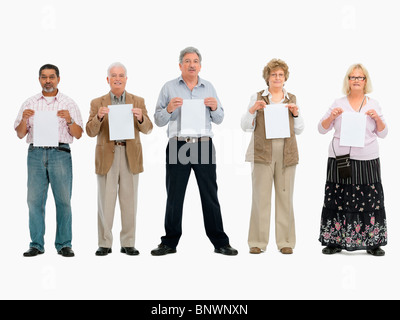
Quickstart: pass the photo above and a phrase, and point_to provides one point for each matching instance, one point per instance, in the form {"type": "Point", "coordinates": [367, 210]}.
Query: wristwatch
{"type": "Point", "coordinates": [72, 122]}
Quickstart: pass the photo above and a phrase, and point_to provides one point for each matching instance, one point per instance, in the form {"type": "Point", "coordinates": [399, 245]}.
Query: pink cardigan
{"type": "Point", "coordinates": [371, 148]}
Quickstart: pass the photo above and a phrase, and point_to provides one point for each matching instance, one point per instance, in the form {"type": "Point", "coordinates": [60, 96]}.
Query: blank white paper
{"type": "Point", "coordinates": [193, 117]}
{"type": "Point", "coordinates": [45, 129]}
{"type": "Point", "coordinates": [120, 120]}
{"type": "Point", "coordinates": [352, 133]}
{"type": "Point", "coordinates": [276, 118]}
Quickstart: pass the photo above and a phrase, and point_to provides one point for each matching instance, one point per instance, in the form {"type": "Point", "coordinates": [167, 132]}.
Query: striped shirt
{"type": "Point", "coordinates": [41, 103]}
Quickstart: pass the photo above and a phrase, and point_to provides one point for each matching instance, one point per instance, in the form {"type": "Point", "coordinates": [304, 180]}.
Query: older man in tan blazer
{"type": "Point", "coordinates": [118, 163]}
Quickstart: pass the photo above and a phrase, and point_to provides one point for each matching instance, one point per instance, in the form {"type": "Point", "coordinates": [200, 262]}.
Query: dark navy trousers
{"type": "Point", "coordinates": [181, 159]}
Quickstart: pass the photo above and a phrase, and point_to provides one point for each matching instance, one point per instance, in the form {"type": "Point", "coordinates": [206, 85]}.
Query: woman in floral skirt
{"type": "Point", "coordinates": [353, 215]}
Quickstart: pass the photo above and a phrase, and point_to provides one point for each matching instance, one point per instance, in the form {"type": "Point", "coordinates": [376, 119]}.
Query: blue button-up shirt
{"type": "Point", "coordinates": [177, 88]}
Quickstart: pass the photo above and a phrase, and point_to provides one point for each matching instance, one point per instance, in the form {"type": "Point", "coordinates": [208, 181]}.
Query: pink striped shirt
{"type": "Point", "coordinates": [371, 148]}
{"type": "Point", "coordinates": [57, 103]}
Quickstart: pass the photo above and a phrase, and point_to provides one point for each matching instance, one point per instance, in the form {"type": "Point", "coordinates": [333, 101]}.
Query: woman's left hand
{"type": "Point", "coordinates": [293, 109]}
{"type": "Point", "coordinates": [380, 125]}
{"type": "Point", "coordinates": [372, 113]}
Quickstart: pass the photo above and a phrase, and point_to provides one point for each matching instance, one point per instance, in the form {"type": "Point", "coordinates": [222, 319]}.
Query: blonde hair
{"type": "Point", "coordinates": [273, 65]}
{"type": "Point", "coordinates": [368, 84]}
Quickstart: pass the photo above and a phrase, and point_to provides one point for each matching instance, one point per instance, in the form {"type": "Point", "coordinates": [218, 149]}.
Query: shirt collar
{"type": "Point", "coordinates": [42, 96]}
{"type": "Point", "coordinates": [114, 97]}
{"type": "Point", "coordinates": [199, 81]}
{"type": "Point", "coordinates": [267, 93]}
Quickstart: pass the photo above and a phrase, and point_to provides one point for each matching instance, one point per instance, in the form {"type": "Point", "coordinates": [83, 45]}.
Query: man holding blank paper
{"type": "Point", "coordinates": [51, 121]}
{"type": "Point", "coordinates": [189, 105]}
{"type": "Point", "coordinates": [116, 119]}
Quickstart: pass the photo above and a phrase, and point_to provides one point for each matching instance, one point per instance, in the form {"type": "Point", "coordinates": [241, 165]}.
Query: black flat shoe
{"type": "Point", "coordinates": [103, 251]}
{"type": "Point", "coordinates": [227, 250]}
{"type": "Point", "coordinates": [331, 250]}
{"type": "Point", "coordinates": [130, 251]}
{"type": "Point", "coordinates": [66, 252]}
{"type": "Point", "coordinates": [32, 252]}
{"type": "Point", "coordinates": [378, 252]}
{"type": "Point", "coordinates": [162, 250]}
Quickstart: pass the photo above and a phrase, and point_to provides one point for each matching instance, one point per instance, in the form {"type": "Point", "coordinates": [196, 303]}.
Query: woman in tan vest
{"type": "Point", "coordinates": [273, 162]}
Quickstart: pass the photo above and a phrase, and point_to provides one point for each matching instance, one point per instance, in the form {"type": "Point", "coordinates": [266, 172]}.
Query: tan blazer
{"type": "Point", "coordinates": [260, 148]}
{"type": "Point", "coordinates": [105, 148]}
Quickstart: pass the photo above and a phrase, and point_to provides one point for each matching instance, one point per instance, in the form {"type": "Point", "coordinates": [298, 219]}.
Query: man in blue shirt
{"type": "Point", "coordinates": [185, 153]}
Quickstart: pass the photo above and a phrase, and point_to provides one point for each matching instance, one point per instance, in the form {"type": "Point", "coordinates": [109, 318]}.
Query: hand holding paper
{"type": "Point", "coordinates": [212, 103]}
{"type": "Point", "coordinates": [27, 114]}
{"type": "Point", "coordinates": [102, 112]}
{"type": "Point", "coordinates": [293, 109]}
{"type": "Point", "coordinates": [259, 104]}
{"type": "Point", "coordinates": [174, 104]}
{"type": "Point", "coordinates": [138, 113]}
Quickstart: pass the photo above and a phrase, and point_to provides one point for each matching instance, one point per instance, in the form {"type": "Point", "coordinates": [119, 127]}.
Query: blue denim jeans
{"type": "Point", "coordinates": [49, 166]}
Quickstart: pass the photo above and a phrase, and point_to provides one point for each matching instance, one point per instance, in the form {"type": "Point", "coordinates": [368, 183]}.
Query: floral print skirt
{"type": "Point", "coordinates": [353, 215]}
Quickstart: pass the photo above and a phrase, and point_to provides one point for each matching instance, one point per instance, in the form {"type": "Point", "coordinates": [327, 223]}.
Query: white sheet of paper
{"type": "Point", "coordinates": [193, 117]}
{"type": "Point", "coordinates": [45, 126]}
{"type": "Point", "coordinates": [352, 133]}
{"type": "Point", "coordinates": [276, 118]}
{"type": "Point", "coordinates": [120, 120]}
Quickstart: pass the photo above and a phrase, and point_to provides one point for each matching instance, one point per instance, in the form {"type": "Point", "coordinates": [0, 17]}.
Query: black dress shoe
{"type": "Point", "coordinates": [66, 252]}
{"type": "Point", "coordinates": [162, 250]}
{"type": "Point", "coordinates": [32, 252]}
{"type": "Point", "coordinates": [130, 251]}
{"type": "Point", "coordinates": [103, 251]}
{"type": "Point", "coordinates": [377, 252]}
{"type": "Point", "coordinates": [331, 250]}
{"type": "Point", "coordinates": [227, 250]}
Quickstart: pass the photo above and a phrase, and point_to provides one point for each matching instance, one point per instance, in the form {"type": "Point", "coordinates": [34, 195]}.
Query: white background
{"type": "Point", "coordinates": [318, 39]}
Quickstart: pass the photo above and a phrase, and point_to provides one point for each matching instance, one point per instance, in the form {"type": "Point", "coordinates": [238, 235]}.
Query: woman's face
{"type": "Point", "coordinates": [357, 80]}
{"type": "Point", "coordinates": [276, 78]}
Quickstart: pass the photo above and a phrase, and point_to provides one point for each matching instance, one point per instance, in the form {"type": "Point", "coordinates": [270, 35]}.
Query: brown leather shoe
{"type": "Point", "coordinates": [255, 250]}
{"type": "Point", "coordinates": [286, 250]}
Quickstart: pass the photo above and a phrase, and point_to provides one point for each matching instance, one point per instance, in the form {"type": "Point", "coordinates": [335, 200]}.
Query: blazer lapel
{"type": "Point", "coordinates": [106, 100]}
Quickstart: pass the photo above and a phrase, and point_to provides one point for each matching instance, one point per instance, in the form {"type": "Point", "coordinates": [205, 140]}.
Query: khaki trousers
{"type": "Point", "coordinates": [119, 180]}
{"type": "Point", "coordinates": [263, 177]}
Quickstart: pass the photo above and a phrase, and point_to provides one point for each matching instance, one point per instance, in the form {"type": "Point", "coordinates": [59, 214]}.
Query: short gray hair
{"type": "Point", "coordinates": [116, 64]}
{"type": "Point", "coordinates": [189, 50]}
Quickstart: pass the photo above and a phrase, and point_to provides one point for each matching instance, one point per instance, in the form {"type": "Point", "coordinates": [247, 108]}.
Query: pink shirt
{"type": "Point", "coordinates": [371, 149]}
{"type": "Point", "coordinates": [59, 102]}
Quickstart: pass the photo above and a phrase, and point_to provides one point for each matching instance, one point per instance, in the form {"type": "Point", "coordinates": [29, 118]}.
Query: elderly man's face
{"type": "Point", "coordinates": [49, 80]}
{"type": "Point", "coordinates": [190, 66]}
{"type": "Point", "coordinates": [117, 79]}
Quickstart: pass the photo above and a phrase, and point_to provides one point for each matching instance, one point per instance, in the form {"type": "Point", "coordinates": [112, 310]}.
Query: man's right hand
{"type": "Point", "coordinates": [174, 104]}
{"type": "Point", "coordinates": [27, 114]}
{"type": "Point", "coordinates": [102, 112]}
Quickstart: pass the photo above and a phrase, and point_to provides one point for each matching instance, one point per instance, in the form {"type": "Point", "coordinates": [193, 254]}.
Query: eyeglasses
{"type": "Point", "coordinates": [357, 78]}
{"type": "Point", "coordinates": [277, 75]}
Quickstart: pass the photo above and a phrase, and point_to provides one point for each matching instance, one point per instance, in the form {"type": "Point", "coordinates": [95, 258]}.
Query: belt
{"type": "Point", "coordinates": [123, 144]}
{"type": "Point", "coordinates": [191, 139]}
{"type": "Point", "coordinates": [60, 147]}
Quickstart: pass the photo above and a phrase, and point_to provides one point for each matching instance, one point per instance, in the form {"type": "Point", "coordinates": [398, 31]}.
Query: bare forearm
{"type": "Point", "coordinates": [22, 129]}
{"type": "Point", "coordinates": [75, 130]}
{"type": "Point", "coordinates": [327, 123]}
